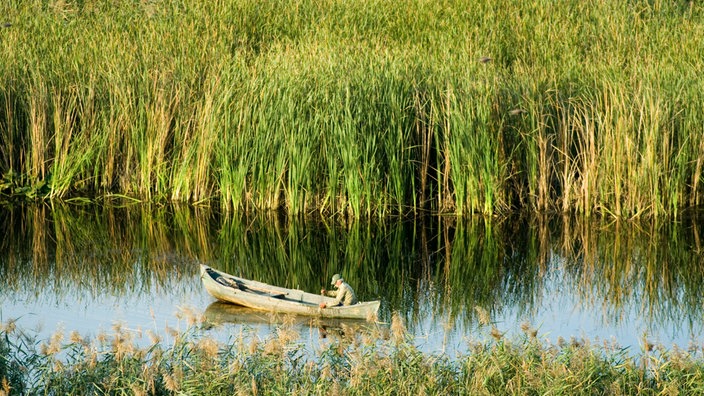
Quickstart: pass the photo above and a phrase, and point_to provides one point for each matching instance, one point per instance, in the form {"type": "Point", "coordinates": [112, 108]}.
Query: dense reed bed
{"type": "Point", "coordinates": [364, 108]}
{"type": "Point", "coordinates": [377, 363]}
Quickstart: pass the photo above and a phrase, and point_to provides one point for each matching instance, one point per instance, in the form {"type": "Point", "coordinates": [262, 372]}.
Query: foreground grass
{"type": "Point", "coordinates": [364, 108]}
{"type": "Point", "coordinates": [362, 363]}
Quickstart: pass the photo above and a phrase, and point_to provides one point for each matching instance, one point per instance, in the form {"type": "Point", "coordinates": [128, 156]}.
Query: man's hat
{"type": "Point", "coordinates": [336, 278]}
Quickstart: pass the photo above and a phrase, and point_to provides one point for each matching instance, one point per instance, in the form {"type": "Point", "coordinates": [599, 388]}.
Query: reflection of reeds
{"type": "Point", "coordinates": [94, 250]}
{"type": "Point", "coordinates": [40, 240]}
{"type": "Point", "coordinates": [435, 267]}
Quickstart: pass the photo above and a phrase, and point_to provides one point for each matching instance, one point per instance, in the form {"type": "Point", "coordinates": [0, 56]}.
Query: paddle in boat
{"type": "Point", "coordinates": [262, 296]}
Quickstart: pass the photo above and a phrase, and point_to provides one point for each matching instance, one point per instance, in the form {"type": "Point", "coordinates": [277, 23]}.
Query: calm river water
{"type": "Point", "coordinates": [89, 268]}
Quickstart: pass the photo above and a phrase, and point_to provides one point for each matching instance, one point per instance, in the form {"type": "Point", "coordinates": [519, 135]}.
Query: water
{"type": "Point", "coordinates": [91, 268]}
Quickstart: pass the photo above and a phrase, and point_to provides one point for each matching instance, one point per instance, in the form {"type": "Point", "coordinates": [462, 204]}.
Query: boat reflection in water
{"type": "Point", "coordinates": [219, 313]}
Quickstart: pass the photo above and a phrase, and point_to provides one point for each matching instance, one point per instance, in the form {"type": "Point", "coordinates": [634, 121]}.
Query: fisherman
{"type": "Point", "coordinates": [344, 295]}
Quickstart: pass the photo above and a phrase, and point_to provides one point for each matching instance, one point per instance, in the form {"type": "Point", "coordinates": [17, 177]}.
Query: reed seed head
{"type": "Point", "coordinates": [9, 326]}
{"type": "Point", "coordinates": [525, 326]}
{"type": "Point", "coordinates": [398, 329]}
{"type": "Point", "coordinates": [529, 330]}
{"type": "Point", "coordinates": [325, 373]}
{"type": "Point", "coordinates": [209, 347]}
{"type": "Point", "coordinates": [76, 338]}
{"type": "Point", "coordinates": [253, 345]}
{"type": "Point", "coordinates": [193, 318]}
{"type": "Point", "coordinates": [153, 337]}
{"type": "Point", "coordinates": [287, 335]}
{"type": "Point", "coordinates": [55, 342]}
{"type": "Point", "coordinates": [123, 346]}
{"type": "Point", "coordinates": [289, 320]}
{"type": "Point", "coordinates": [172, 332]}
{"type": "Point", "coordinates": [255, 388]}
{"type": "Point", "coordinates": [482, 315]}
{"type": "Point", "coordinates": [5, 386]}
{"type": "Point", "coordinates": [92, 357]}
{"type": "Point", "coordinates": [496, 334]}
{"type": "Point", "coordinates": [561, 342]}
{"type": "Point", "coordinates": [273, 347]}
{"type": "Point", "coordinates": [234, 367]}
{"type": "Point", "coordinates": [170, 383]}
{"type": "Point", "coordinates": [149, 375]}
{"type": "Point", "coordinates": [646, 344]}
{"type": "Point", "coordinates": [137, 390]}
{"type": "Point", "coordinates": [101, 337]}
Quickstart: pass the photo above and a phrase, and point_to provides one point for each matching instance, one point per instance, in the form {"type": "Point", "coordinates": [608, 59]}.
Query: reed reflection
{"type": "Point", "coordinates": [429, 267]}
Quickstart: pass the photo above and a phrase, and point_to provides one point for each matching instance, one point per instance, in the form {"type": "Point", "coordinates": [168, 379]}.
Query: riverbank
{"type": "Point", "coordinates": [367, 109]}
{"type": "Point", "coordinates": [377, 363]}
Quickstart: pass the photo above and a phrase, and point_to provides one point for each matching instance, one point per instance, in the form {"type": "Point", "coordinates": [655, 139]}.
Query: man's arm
{"type": "Point", "coordinates": [341, 292]}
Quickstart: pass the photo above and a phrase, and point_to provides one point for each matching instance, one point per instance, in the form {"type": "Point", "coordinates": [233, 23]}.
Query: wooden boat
{"type": "Point", "coordinates": [262, 296]}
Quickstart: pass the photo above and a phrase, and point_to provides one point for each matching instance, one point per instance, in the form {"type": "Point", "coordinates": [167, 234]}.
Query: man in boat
{"type": "Point", "coordinates": [344, 295]}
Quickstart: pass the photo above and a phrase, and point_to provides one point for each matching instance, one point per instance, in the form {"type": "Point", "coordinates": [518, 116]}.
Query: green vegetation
{"type": "Point", "coordinates": [364, 108]}
{"type": "Point", "coordinates": [379, 362]}
{"type": "Point", "coordinates": [435, 267]}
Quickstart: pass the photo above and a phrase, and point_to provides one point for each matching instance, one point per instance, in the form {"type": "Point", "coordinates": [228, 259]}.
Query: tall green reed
{"type": "Point", "coordinates": [369, 109]}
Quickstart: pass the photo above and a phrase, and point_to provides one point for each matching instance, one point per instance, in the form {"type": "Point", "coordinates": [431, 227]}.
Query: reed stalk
{"type": "Point", "coordinates": [365, 110]}
{"type": "Point", "coordinates": [371, 362]}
